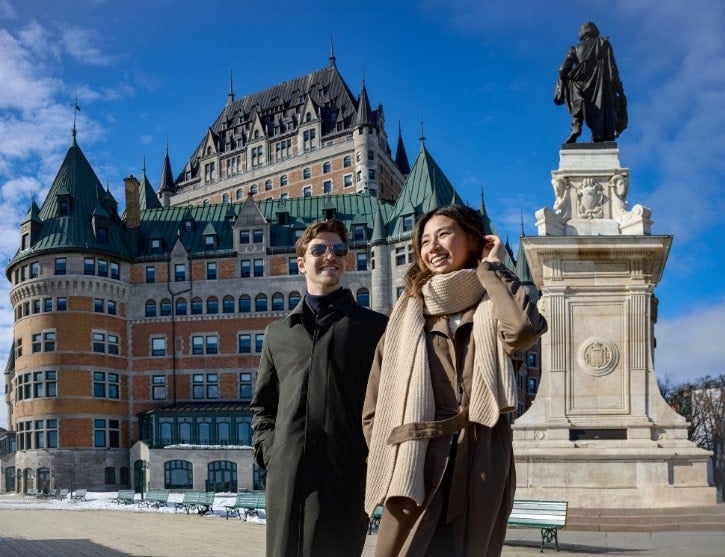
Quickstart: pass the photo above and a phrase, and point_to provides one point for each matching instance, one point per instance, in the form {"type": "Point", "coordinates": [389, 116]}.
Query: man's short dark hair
{"type": "Point", "coordinates": [311, 232]}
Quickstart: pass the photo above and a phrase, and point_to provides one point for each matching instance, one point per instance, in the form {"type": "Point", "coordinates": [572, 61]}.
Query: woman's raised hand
{"type": "Point", "coordinates": [493, 249]}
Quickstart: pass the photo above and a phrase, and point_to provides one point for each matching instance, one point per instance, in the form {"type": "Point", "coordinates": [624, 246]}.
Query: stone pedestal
{"type": "Point", "coordinates": [599, 434]}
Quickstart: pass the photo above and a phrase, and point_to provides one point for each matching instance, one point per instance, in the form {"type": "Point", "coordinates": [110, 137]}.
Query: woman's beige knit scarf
{"type": "Point", "coordinates": [405, 393]}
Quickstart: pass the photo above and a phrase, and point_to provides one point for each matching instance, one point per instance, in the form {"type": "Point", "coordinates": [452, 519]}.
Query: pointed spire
{"type": "Point", "coordinates": [167, 178]}
{"type": "Point", "coordinates": [332, 53]}
{"type": "Point", "coordinates": [401, 157]}
{"type": "Point", "coordinates": [230, 95]}
{"type": "Point", "coordinates": [523, 233]}
{"type": "Point", "coordinates": [422, 135]}
{"type": "Point", "coordinates": [363, 107]}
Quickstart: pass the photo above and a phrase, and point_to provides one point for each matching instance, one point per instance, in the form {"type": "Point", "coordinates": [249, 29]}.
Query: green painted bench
{"type": "Point", "coordinates": [199, 501]}
{"type": "Point", "coordinates": [249, 503]}
{"type": "Point", "coordinates": [155, 498]}
{"type": "Point", "coordinates": [125, 497]}
{"type": "Point", "coordinates": [549, 516]}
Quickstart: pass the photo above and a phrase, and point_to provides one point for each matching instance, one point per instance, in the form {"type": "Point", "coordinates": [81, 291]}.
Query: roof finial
{"type": "Point", "coordinates": [332, 52]}
{"type": "Point", "coordinates": [230, 95]}
{"type": "Point", "coordinates": [422, 135]}
{"type": "Point", "coordinates": [76, 110]}
{"type": "Point", "coordinates": [523, 233]}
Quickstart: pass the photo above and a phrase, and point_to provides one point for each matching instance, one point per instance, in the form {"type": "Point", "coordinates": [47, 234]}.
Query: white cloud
{"type": "Point", "coordinates": [6, 10]}
{"type": "Point", "coordinates": [81, 44]}
{"type": "Point", "coordinates": [689, 346]}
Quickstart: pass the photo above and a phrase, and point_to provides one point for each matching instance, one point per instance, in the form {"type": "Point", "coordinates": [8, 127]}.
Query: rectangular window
{"type": "Point", "coordinates": [258, 236]}
{"type": "Point", "coordinates": [292, 266]}
{"type": "Point", "coordinates": [111, 307]}
{"type": "Point", "coordinates": [245, 386]}
{"type": "Point", "coordinates": [99, 342]}
{"type": "Point", "coordinates": [211, 271]}
{"type": "Point", "coordinates": [179, 272]}
{"type": "Point", "coordinates": [259, 267]}
{"type": "Point", "coordinates": [47, 304]}
{"type": "Point", "coordinates": [209, 243]}
{"type": "Point", "coordinates": [61, 304]}
{"type": "Point", "coordinates": [115, 272]}
{"type": "Point", "coordinates": [98, 305]}
{"type": "Point", "coordinates": [36, 306]}
{"type": "Point", "coordinates": [49, 341]}
{"type": "Point", "coordinates": [89, 266]}
{"type": "Point", "coordinates": [244, 236]}
{"type": "Point", "coordinates": [34, 270]}
{"type": "Point", "coordinates": [245, 344]}
{"type": "Point", "coordinates": [258, 342]}
{"type": "Point", "coordinates": [155, 246]}
{"type": "Point", "coordinates": [99, 384]}
{"type": "Point", "coordinates": [197, 345]}
{"type": "Point", "coordinates": [212, 344]}
{"type": "Point", "coordinates": [347, 180]}
{"type": "Point", "coordinates": [60, 266]}
{"type": "Point", "coordinates": [205, 386]}
{"type": "Point", "coordinates": [102, 268]}
{"type": "Point", "coordinates": [307, 191]}
{"type": "Point", "coordinates": [362, 261]}
{"type": "Point", "coordinates": [106, 433]}
{"type": "Point", "coordinates": [400, 256]}
{"type": "Point", "coordinates": [158, 387]}
{"type": "Point", "coordinates": [150, 274]}
{"type": "Point", "coordinates": [245, 270]}
{"type": "Point", "coordinates": [158, 346]}
{"type": "Point", "coordinates": [532, 360]}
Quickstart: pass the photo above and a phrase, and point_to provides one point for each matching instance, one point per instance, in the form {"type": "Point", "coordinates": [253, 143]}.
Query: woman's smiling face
{"type": "Point", "coordinates": [445, 247]}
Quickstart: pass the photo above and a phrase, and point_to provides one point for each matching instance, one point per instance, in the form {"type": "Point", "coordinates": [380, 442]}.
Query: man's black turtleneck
{"type": "Point", "coordinates": [320, 304]}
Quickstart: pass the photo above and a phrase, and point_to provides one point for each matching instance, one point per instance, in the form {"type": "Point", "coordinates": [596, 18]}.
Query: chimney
{"type": "Point", "coordinates": [133, 208]}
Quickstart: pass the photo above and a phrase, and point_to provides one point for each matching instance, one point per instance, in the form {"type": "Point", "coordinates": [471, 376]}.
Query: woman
{"type": "Point", "coordinates": [441, 458]}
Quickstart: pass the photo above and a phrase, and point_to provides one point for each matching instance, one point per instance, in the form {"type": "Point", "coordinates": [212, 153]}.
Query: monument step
{"type": "Point", "coordinates": [647, 520]}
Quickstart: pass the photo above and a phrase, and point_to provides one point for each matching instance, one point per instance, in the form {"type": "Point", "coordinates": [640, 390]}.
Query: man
{"type": "Point", "coordinates": [307, 407]}
{"type": "Point", "coordinates": [589, 84]}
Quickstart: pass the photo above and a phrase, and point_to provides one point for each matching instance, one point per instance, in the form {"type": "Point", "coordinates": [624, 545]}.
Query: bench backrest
{"type": "Point", "coordinates": [527, 512]}
{"type": "Point", "coordinates": [126, 494]}
{"type": "Point", "coordinates": [191, 497]}
{"type": "Point", "coordinates": [246, 499]}
{"type": "Point", "coordinates": [207, 498]}
{"type": "Point", "coordinates": [262, 500]}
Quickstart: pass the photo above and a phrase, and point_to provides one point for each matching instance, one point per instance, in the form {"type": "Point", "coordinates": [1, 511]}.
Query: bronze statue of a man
{"type": "Point", "coordinates": [589, 84]}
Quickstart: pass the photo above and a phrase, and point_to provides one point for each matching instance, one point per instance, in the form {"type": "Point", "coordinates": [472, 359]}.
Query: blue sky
{"type": "Point", "coordinates": [478, 74]}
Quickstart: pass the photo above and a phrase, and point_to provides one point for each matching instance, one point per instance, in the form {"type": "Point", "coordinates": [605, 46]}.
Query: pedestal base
{"type": "Point", "coordinates": [609, 476]}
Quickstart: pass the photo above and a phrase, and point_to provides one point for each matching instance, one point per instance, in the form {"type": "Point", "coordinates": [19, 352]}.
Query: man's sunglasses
{"type": "Point", "coordinates": [318, 250]}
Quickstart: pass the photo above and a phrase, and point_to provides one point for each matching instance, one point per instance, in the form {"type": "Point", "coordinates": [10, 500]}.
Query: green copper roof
{"type": "Point", "coordinates": [75, 199]}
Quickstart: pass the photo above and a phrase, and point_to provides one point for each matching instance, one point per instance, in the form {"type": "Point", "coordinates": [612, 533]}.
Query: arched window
{"type": "Point", "coordinates": [277, 301]}
{"type": "Point", "coordinates": [306, 173]}
{"type": "Point", "coordinates": [326, 167]}
{"type": "Point", "coordinates": [165, 307]}
{"type": "Point", "coordinates": [181, 306]}
{"type": "Point", "coordinates": [260, 302]}
{"type": "Point", "coordinates": [197, 306]}
{"type": "Point", "coordinates": [240, 193]}
{"type": "Point", "coordinates": [293, 299]}
{"type": "Point", "coordinates": [245, 303]}
{"type": "Point", "coordinates": [347, 161]}
{"type": "Point", "coordinates": [150, 308]}
{"type": "Point", "coordinates": [228, 304]}
{"type": "Point", "coordinates": [363, 297]}
{"type": "Point", "coordinates": [212, 305]}
{"type": "Point", "coordinates": [178, 474]}
{"type": "Point", "coordinates": [283, 180]}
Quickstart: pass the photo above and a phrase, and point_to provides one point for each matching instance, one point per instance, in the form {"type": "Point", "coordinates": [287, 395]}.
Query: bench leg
{"type": "Point", "coordinates": [549, 535]}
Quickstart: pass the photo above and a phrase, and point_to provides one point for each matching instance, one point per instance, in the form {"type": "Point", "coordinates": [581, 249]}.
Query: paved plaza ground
{"type": "Point", "coordinates": [41, 532]}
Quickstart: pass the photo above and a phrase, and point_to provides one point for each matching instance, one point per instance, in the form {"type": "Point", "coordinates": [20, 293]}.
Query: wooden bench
{"type": "Point", "coordinates": [550, 516]}
{"type": "Point", "coordinates": [374, 523]}
{"type": "Point", "coordinates": [125, 496]}
{"type": "Point", "coordinates": [249, 503]}
{"type": "Point", "coordinates": [155, 498]}
{"type": "Point", "coordinates": [78, 495]}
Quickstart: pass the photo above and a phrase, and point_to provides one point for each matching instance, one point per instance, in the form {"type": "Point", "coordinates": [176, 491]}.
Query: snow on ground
{"type": "Point", "coordinates": [104, 501]}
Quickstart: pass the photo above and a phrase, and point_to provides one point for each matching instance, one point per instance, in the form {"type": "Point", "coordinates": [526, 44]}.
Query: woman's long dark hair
{"type": "Point", "coordinates": [468, 219]}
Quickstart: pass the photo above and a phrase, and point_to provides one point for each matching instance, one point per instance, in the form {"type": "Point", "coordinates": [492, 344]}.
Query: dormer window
{"type": "Point", "coordinates": [408, 222]}
{"type": "Point", "coordinates": [308, 117]}
{"type": "Point", "coordinates": [283, 217]}
{"type": "Point", "coordinates": [188, 225]}
{"type": "Point", "coordinates": [330, 213]}
{"type": "Point", "coordinates": [155, 246]}
{"type": "Point", "coordinates": [209, 242]}
{"type": "Point", "coordinates": [63, 207]}
{"type": "Point", "coordinates": [358, 232]}
{"type": "Point", "coordinates": [102, 235]}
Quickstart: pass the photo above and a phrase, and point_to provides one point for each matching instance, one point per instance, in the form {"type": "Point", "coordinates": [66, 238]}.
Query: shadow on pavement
{"type": "Point", "coordinates": [55, 548]}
